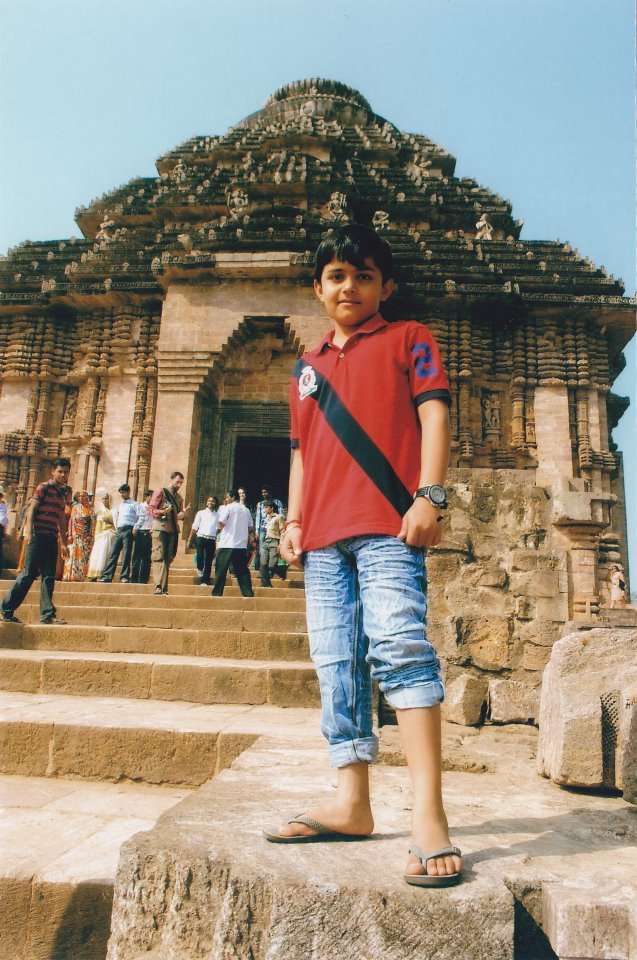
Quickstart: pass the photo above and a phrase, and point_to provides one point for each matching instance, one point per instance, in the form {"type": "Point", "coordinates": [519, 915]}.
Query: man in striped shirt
{"type": "Point", "coordinates": [42, 530]}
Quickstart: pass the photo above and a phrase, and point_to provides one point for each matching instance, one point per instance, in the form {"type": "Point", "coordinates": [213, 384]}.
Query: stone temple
{"type": "Point", "coordinates": [163, 338]}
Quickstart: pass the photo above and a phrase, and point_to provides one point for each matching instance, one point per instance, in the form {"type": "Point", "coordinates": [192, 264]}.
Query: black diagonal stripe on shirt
{"type": "Point", "coordinates": [361, 447]}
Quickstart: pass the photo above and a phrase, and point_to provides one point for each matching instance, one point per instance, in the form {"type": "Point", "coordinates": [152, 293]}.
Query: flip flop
{"type": "Point", "coordinates": [425, 879]}
{"type": "Point", "coordinates": [322, 834]}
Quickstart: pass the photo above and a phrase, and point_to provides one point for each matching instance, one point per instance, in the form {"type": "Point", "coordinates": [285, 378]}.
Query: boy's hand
{"type": "Point", "coordinates": [290, 547]}
{"type": "Point", "coordinates": [422, 524]}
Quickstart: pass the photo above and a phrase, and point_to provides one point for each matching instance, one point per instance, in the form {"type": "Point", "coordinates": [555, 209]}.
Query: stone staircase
{"type": "Point", "coordinates": [109, 721]}
{"type": "Point", "coordinates": [144, 746]}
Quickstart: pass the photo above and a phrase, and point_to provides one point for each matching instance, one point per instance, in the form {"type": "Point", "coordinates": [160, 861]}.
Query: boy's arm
{"type": "Point", "coordinates": [421, 526]}
{"type": "Point", "coordinates": [290, 548]}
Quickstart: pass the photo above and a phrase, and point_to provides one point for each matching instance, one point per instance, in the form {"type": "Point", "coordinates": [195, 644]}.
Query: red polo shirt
{"type": "Point", "coordinates": [353, 415]}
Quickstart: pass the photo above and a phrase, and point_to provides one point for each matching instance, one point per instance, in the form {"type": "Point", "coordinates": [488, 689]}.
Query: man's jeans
{"type": "Point", "coordinates": [123, 541]}
{"type": "Point", "coordinates": [142, 547]}
{"type": "Point", "coordinates": [40, 557]}
{"type": "Point", "coordinates": [366, 607]}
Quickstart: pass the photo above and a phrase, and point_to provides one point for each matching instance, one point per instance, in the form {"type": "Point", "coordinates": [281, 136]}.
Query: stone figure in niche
{"type": "Point", "coordinates": [337, 206]}
{"type": "Point", "coordinates": [380, 220]}
{"type": "Point", "coordinates": [104, 231]}
{"type": "Point", "coordinates": [484, 230]}
{"type": "Point", "coordinates": [178, 172]}
{"type": "Point", "coordinates": [491, 415]}
{"type": "Point", "coordinates": [308, 109]}
{"type": "Point", "coordinates": [237, 203]}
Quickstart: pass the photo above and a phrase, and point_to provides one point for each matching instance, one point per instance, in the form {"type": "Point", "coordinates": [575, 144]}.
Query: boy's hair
{"type": "Point", "coordinates": [125, 488]}
{"type": "Point", "coordinates": [270, 503]}
{"type": "Point", "coordinates": [61, 462]}
{"type": "Point", "coordinates": [231, 492]}
{"type": "Point", "coordinates": [148, 493]}
{"type": "Point", "coordinates": [353, 244]}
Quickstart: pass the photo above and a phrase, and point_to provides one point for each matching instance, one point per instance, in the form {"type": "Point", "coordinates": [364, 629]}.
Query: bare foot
{"type": "Point", "coordinates": [356, 820]}
{"type": "Point", "coordinates": [432, 834]}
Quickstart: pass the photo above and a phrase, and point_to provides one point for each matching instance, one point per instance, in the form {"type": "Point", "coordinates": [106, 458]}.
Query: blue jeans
{"type": "Point", "coordinates": [366, 607]}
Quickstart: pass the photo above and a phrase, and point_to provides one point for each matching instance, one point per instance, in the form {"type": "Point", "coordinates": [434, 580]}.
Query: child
{"type": "Point", "coordinates": [369, 418]}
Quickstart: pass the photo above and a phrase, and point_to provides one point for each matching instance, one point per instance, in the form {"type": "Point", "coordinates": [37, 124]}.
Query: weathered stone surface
{"type": "Point", "coordinates": [511, 701]}
{"type": "Point", "coordinates": [590, 677]}
{"type": "Point", "coordinates": [465, 700]}
{"type": "Point", "coordinates": [489, 640]}
{"type": "Point", "coordinates": [586, 921]}
{"type": "Point", "coordinates": [203, 883]}
{"type": "Point", "coordinates": [628, 769]}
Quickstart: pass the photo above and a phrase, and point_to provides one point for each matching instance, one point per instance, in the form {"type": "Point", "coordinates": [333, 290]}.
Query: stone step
{"type": "Point", "coordinates": [520, 836]}
{"type": "Point", "coordinates": [201, 600]}
{"type": "Point", "coordinates": [217, 616]}
{"type": "Point", "coordinates": [234, 643]}
{"type": "Point", "coordinates": [283, 590]}
{"type": "Point", "coordinates": [160, 677]}
{"type": "Point", "coordinates": [60, 842]}
{"type": "Point", "coordinates": [145, 741]}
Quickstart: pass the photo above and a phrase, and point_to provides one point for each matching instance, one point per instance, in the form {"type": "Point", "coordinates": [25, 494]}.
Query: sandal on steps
{"type": "Point", "coordinates": [439, 880]}
{"type": "Point", "coordinates": [322, 834]}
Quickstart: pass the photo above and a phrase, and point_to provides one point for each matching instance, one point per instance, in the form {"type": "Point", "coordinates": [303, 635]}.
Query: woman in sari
{"type": "Point", "coordinates": [80, 538]}
{"type": "Point", "coordinates": [104, 538]}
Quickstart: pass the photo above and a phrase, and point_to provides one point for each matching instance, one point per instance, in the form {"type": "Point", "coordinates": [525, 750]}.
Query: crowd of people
{"type": "Point", "coordinates": [80, 537]}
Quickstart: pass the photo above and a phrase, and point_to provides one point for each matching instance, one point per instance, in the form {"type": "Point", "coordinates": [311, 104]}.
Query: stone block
{"type": "Point", "coordinates": [525, 608]}
{"type": "Point", "coordinates": [24, 748]}
{"type": "Point", "coordinates": [69, 920]}
{"type": "Point", "coordinates": [511, 701]}
{"type": "Point", "coordinates": [98, 678]}
{"type": "Point", "coordinates": [465, 700]}
{"type": "Point", "coordinates": [586, 739]}
{"type": "Point", "coordinates": [209, 684]}
{"type": "Point", "coordinates": [489, 641]}
{"type": "Point", "coordinates": [590, 922]}
{"type": "Point", "coordinates": [492, 577]}
{"type": "Point", "coordinates": [146, 755]}
{"type": "Point", "coordinates": [537, 583]}
{"type": "Point", "coordinates": [293, 688]}
{"type": "Point", "coordinates": [20, 674]}
{"type": "Point", "coordinates": [446, 637]}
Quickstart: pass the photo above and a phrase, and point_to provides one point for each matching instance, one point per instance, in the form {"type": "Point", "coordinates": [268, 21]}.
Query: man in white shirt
{"type": "Point", "coordinates": [237, 530]}
{"type": "Point", "coordinates": [204, 531]}
{"type": "Point", "coordinates": [124, 523]}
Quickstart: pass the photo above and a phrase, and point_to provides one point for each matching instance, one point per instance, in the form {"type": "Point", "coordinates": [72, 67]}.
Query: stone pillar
{"type": "Point", "coordinates": [584, 543]}
{"type": "Point", "coordinates": [553, 438]}
{"type": "Point", "coordinates": [177, 439]}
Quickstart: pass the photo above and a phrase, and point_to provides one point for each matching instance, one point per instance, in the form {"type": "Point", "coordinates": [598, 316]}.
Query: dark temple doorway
{"type": "Point", "coordinates": [259, 460]}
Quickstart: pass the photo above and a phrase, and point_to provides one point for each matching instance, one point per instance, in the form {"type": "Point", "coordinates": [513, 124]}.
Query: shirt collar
{"type": "Point", "coordinates": [370, 326]}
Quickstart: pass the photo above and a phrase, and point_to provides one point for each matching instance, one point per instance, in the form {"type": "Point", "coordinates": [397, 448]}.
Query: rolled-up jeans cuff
{"type": "Point", "coordinates": [428, 694]}
{"type": "Point", "coordinates": [363, 750]}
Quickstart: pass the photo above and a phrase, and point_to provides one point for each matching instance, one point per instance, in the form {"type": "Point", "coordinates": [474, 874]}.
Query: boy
{"type": "Point", "coordinates": [269, 541]}
{"type": "Point", "coordinates": [369, 417]}
{"type": "Point", "coordinates": [43, 531]}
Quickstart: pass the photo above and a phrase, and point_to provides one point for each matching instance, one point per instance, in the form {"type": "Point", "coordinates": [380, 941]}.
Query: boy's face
{"type": "Point", "coordinates": [351, 295]}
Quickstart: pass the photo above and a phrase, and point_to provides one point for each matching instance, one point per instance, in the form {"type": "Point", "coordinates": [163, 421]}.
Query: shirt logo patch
{"type": "Point", "coordinates": [307, 382]}
{"type": "Point", "coordinates": [423, 360]}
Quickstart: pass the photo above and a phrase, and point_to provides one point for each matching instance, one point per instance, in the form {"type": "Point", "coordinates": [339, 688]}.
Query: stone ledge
{"type": "Point", "coordinates": [203, 882]}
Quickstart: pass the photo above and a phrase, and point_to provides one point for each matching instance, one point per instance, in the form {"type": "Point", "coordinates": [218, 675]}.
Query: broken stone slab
{"type": "Point", "coordinates": [204, 882]}
{"type": "Point", "coordinates": [511, 701]}
{"type": "Point", "coordinates": [589, 687]}
{"type": "Point", "coordinates": [465, 700]}
{"type": "Point", "coordinates": [586, 921]}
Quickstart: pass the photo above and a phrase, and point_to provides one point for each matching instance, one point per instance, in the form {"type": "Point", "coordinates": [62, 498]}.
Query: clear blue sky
{"type": "Point", "coordinates": [535, 98]}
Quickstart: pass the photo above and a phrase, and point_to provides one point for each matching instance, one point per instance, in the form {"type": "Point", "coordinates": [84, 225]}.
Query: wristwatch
{"type": "Point", "coordinates": [435, 494]}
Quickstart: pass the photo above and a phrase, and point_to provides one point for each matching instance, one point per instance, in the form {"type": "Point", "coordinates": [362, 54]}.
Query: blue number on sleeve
{"type": "Point", "coordinates": [423, 360]}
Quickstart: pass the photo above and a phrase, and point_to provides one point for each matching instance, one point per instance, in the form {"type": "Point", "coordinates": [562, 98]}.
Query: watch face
{"type": "Point", "coordinates": [437, 494]}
